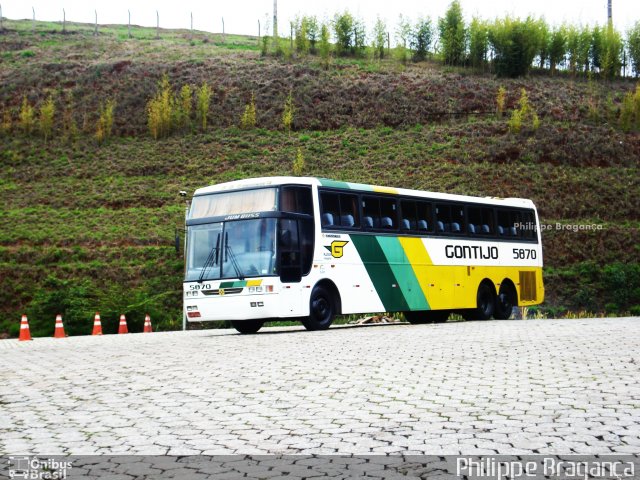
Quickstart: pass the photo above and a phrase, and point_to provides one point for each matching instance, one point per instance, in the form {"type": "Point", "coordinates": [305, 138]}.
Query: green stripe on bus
{"type": "Point", "coordinates": [403, 271]}
{"type": "Point", "coordinates": [380, 273]}
{"type": "Point", "coordinates": [233, 284]}
{"type": "Point", "coordinates": [325, 182]}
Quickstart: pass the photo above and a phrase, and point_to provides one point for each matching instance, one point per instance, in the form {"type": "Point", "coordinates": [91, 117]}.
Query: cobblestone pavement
{"type": "Point", "coordinates": [509, 387]}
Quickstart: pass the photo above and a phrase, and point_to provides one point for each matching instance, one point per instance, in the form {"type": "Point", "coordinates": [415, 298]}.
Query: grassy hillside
{"type": "Point", "coordinates": [86, 226]}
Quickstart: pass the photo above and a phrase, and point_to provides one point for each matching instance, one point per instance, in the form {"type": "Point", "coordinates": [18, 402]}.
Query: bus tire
{"type": "Point", "coordinates": [505, 301]}
{"type": "Point", "coordinates": [322, 309]}
{"type": "Point", "coordinates": [247, 326]}
{"type": "Point", "coordinates": [485, 301]}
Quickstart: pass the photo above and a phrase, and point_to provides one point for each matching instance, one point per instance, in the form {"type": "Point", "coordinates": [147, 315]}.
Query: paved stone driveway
{"type": "Point", "coordinates": [512, 387]}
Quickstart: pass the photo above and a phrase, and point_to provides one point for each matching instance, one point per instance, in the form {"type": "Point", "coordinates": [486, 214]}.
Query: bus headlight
{"type": "Point", "coordinates": [255, 289]}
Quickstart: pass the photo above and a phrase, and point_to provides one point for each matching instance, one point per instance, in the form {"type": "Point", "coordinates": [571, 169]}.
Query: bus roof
{"type": "Point", "coordinates": [360, 187]}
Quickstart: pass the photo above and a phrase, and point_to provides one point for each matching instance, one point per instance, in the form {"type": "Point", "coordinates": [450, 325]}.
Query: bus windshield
{"type": "Point", "coordinates": [232, 203]}
{"type": "Point", "coordinates": [238, 249]}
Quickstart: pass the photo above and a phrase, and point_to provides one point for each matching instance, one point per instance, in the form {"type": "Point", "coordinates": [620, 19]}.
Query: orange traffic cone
{"type": "Point", "coordinates": [147, 324]}
{"type": "Point", "coordinates": [97, 325]}
{"type": "Point", "coordinates": [25, 334]}
{"type": "Point", "coordinates": [59, 332]}
{"type": "Point", "coordinates": [122, 328]}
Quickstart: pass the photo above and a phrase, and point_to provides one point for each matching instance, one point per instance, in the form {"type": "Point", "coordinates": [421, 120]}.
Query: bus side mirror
{"type": "Point", "coordinates": [285, 238]}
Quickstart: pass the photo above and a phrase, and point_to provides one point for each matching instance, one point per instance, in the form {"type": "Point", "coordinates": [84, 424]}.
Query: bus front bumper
{"type": "Point", "coordinates": [240, 307]}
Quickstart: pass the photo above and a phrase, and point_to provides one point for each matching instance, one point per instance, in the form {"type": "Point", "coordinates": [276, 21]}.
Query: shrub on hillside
{"type": "Point", "coordinates": [104, 127]}
{"type": "Point", "coordinates": [403, 36]}
{"type": "Point", "coordinates": [343, 26]}
{"type": "Point", "coordinates": [421, 37]}
{"type": "Point", "coordinates": [453, 35]}
{"type": "Point", "coordinates": [160, 110]}
{"type": "Point", "coordinates": [379, 39]}
{"type": "Point", "coordinates": [6, 123]}
{"type": "Point", "coordinates": [621, 284]}
{"type": "Point", "coordinates": [557, 47]}
{"type": "Point", "coordinates": [478, 42]}
{"type": "Point", "coordinates": [515, 43]}
{"type": "Point", "coordinates": [46, 117]}
{"type": "Point", "coordinates": [325, 44]}
{"type": "Point", "coordinates": [184, 107]}
{"type": "Point", "coordinates": [203, 99]}
{"type": "Point", "coordinates": [288, 112]}
{"type": "Point", "coordinates": [74, 299]}
{"type": "Point", "coordinates": [248, 119]}
{"type": "Point", "coordinates": [298, 163]}
{"type": "Point", "coordinates": [300, 28]}
{"type": "Point", "coordinates": [501, 99]}
{"type": "Point", "coordinates": [633, 44]}
{"type": "Point", "coordinates": [611, 53]}
{"type": "Point", "coordinates": [630, 111]}
{"type": "Point", "coordinates": [524, 115]}
{"type": "Point", "coordinates": [26, 116]}
{"type": "Point", "coordinates": [350, 34]}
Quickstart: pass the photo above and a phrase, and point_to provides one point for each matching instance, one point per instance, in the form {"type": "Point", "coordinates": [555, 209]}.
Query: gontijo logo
{"type": "Point", "coordinates": [336, 248]}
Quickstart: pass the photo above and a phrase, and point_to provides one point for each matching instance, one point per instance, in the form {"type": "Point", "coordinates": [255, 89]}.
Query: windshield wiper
{"type": "Point", "coordinates": [230, 255]}
{"type": "Point", "coordinates": [212, 259]}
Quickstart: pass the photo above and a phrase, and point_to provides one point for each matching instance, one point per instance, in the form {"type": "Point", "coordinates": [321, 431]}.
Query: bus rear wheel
{"type": "Point", "coordinates": [321, 310]}
{"type": "Point", "coordinates": [505, 301]}
{"type": "Point", "coordinates": [485, 301]}
{"type": "Point", "coordinates": [247, 326]}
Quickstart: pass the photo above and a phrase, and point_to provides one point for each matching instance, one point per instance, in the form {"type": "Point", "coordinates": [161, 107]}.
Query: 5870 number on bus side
{"type": "Point", "coordinates": [524, 254]}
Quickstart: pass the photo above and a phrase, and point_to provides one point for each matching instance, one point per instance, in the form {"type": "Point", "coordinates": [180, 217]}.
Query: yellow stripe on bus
{"type": "Point", "coordinates": [385, 190]}
{"type": "Point", "coordinates": [254, 283]}
{"type": "Point", "coordinates": [422, 266]}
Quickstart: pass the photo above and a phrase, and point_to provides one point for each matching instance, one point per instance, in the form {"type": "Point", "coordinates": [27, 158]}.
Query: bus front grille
{"type": "Point", "coordinates": [528, 291]}
{"type": "Point", "coordinates": [222, 291]}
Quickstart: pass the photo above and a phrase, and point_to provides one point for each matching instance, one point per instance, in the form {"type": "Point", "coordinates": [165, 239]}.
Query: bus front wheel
{"type": "Point", "coordinates": [247, 326]}
{"type": "Point", "coordinates": [321, 310]}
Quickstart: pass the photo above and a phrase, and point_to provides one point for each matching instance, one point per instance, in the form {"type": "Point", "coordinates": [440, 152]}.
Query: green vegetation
{"type": "Point", "coordinates": [288, 112]}
{"type": "Point", "coordinates": [104, 126]}
{"type": "Point", "coordinates": [86, 228]}
{"type": "Point", "coordinates": [299, 163]}
{"type": "Point", "coordinates": [453, 35]}
{"type": "Point", "coordinates": [47, 112]}
{"type": "Point", "coordinates": [248, 119]}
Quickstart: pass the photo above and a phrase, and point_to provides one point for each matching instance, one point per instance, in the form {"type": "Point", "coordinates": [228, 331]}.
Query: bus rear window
{"type": "Point", "coordinates": [232, 203]}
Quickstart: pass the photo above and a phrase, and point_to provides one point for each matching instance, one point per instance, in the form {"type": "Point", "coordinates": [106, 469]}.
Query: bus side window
{"type": "Point", "coordinates": [529, 225]}
{"type": "Point", "coordinates": [424, 223]}
{"type": "Point", "coordinates": [296, 200]}
{"type": "Point", "coordinates": [450, 219]}
{"type": "Point", "coordinates": [371, 212]}
{"type": "Point", "coordinates": [349, 212]}
{"type": "Point", "coordinates": [388, 213]}
{"type": "Point", "coordinates": [329, 209]}
{"type": "Point", "coordinates": [409, 219]}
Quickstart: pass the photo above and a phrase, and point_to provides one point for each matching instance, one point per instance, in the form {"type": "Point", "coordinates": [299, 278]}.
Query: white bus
{"type": "Point", "coordinates": [309, 249]}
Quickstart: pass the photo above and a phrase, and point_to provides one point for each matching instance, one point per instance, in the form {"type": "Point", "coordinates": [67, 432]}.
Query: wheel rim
{"type": "Point", "coordinates": [505, 302]}
{"type": "Point", "coordinates": [485, 302]}
{"type": "Point", "coordinates": [321, 308]}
